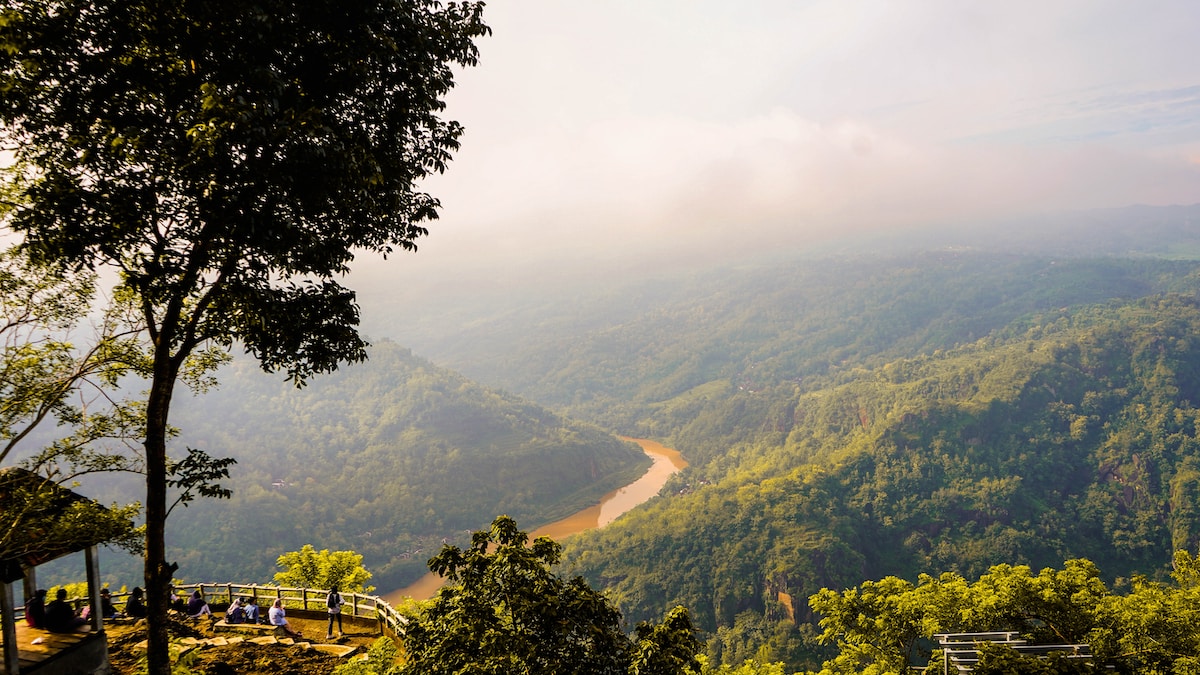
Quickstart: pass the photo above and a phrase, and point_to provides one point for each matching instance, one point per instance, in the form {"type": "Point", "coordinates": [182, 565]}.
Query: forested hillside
{"type": "Point", "coordinates": [798, 320]}
{"type": "Point", "coordinates": [387, 458]}
{"type": "Point", "coordinates": [863, 415]}
{"type": "Point", "coordinates": [845, 417]}
{"type": "Point", "coordinates": [1077, 438]}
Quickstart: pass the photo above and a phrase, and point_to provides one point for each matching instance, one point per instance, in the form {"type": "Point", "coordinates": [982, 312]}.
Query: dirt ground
{"type": "Point", "coordinates": [126, 654]}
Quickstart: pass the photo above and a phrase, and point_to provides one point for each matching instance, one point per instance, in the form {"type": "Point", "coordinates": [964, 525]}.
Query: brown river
{"type": "Point", "coordinates": [666, 462]}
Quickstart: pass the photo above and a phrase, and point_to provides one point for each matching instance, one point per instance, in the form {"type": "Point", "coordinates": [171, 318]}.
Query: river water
{"type": "Point", "coordinates": [667, 461]}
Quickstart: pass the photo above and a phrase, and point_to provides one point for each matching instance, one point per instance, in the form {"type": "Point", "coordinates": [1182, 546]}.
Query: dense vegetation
{"type": "Point", "coordinates": [888, 626]}
{"type": "Point", "coordinates": [1076, 438]}
{"type": "Point", "coordinates": [857, 417]}
{"type": "Point", "coordinates": [506, 611]}
{"type": "Point", "coordinates": [849, 418]}
{"type": "Point", "coordinates": [387, 458]}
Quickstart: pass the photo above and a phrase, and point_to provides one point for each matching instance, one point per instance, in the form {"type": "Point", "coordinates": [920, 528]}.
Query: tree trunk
{"type": "Point", "coordinates": [158, 573]}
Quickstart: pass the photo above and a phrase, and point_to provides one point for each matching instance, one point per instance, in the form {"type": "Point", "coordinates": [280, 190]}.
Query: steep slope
{"type": "Point", "coordinates": [388, 458]}
{"type": "Point", "coordinates": [1072, 434]}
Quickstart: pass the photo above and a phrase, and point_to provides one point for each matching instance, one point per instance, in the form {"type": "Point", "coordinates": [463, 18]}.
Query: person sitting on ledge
{"type": "Point", "coordinates": [236, 612]}
{"type": "Point", "coordinates": [251, 610]}
{"type": "Point", "coordinates": [35, 609]}
{"type": "Point", "coordinates": [135, 606]}
{"type": "Point", "coordinates": [197, 607]}
{"type": "Point", "coordinates": [60, 617]}
{"type": "Point", "coordinates": [106, 606]}
{"type": "Point", "coordinates": [279, 618]}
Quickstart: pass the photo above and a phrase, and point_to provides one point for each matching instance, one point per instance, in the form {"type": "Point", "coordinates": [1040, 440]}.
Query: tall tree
{"type": "Point", "coordinates": [505, 611]}
{"type": "Point", "coordinates": [228, 158]}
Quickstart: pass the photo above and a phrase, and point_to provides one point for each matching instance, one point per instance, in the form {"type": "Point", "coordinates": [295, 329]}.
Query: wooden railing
{"type": "Point", "coordinates": [358, 605]}
{"type": "Point", "coordinates": [960, 651]}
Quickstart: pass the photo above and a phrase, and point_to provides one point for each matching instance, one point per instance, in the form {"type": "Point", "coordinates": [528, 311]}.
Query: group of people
{"type": "Point", "coordinates": [243, 610]}
{"type": "Point", "coordinates": [59, 616]}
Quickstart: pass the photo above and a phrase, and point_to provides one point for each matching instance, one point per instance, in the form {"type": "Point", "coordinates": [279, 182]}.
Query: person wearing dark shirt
{"type": "Point", "coordinates": [60, 618]}
{"type": "Point", "coordinates": [106, 607]}
{"type": "Point", "coordinates": [35, 609]}
{"type": "Point", "coordinates": [197, 607]}
{"type": "Point", "coordinates": [135, 606]}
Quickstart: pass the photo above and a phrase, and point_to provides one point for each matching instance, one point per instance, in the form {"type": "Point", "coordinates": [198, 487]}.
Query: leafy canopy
{"type": "Point", "coordinates": [310, 568]}
{"type": "Point", "coordinates": [887, 626]}
{"type": "Point", "coordinates": [505, 611]}
{"type": "Point", "coordinates": [228, 160]}
{"type": "Point", "coordinates": [46, 378]}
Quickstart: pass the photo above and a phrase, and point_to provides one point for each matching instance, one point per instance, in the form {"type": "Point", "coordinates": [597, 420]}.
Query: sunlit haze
{"type": "Point", "coordinates": [601, 132]}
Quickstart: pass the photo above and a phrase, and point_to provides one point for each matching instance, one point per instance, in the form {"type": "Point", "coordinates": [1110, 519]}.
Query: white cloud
{"type": "Point", "coordinates": [602, 128]}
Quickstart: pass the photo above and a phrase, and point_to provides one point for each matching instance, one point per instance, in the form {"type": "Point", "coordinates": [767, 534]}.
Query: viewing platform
{"type": "Point", "coordinates": [40, 651]}
{"type": "Point", "coordinates": [366, 617]}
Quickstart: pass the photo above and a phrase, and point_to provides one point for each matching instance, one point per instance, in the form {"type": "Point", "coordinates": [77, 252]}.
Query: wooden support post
{"type": "Point", "coordinates": [30, 582]}
{"type": "Point", "coordinates": [91, 558]}
{"type": "Point", "coordinates": [12, 654]}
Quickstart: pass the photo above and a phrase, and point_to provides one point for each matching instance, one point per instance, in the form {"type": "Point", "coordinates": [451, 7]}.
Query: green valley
{"type": "Point", "coordinates": [847, 416]}
{"type": "Point", "coordinates": [389, 458]}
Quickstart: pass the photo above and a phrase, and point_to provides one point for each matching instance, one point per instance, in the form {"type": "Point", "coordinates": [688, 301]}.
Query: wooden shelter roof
{"type": "Point", "coordinates": [38, 524]}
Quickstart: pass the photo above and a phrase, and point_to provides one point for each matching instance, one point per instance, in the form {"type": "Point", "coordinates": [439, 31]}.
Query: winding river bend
{"type": "Point", "coordinates": [667, 461]}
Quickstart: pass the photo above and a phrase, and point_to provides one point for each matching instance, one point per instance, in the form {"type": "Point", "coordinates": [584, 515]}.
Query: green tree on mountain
{"type": "Point", "coordinates": [505, 611]}
{"type": "Point", "coordinates": [310, 568]}
{"type": "Point", "coordinates": [227, 160]}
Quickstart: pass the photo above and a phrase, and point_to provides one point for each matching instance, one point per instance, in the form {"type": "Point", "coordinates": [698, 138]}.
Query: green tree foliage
{"type": "Point", "coordinates": [228, 159]}
{"type": "Point", "coordinates": [749, 667]}
{"type": "Point", "coordinates": [310, 568]}
{"type": "Point", "coordinates": [45, 377]}
{"type": "Point", "coordinates": [383, 658]}
{"type": "Point", "coordinates": [887, 626]}
{"type": "Point", "coordinates": [505, 611]}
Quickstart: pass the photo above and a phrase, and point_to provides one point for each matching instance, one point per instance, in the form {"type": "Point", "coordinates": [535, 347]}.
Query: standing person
{"type": "Point", "coordinates": [135, 606]}
{"type": "Point", "coordinates": [279, 618]}
{"type": "Point", "coordinates": [35, 609]}
{"type": "Point", "coordinates": [334, 603]}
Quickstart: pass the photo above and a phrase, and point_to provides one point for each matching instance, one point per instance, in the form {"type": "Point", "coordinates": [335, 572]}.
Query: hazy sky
{"type": "Point", "coordinates": [601, 128]}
